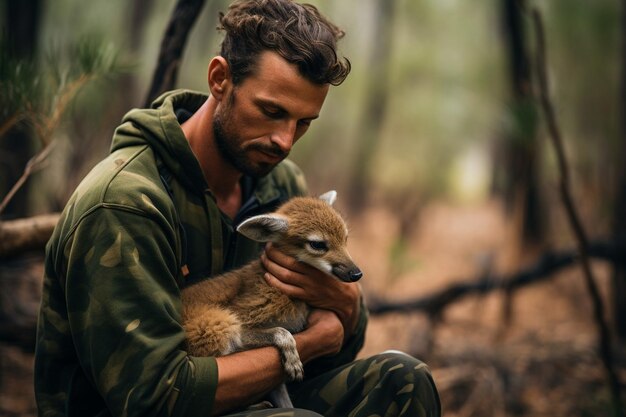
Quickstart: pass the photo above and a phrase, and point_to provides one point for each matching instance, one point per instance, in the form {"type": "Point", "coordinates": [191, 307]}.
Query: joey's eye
{"type": "Point", "coordinates": [318, 245]}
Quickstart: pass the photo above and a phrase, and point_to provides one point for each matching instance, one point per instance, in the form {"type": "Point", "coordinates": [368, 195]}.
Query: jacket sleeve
{"type": "Point", "coordinates": [124, 311]}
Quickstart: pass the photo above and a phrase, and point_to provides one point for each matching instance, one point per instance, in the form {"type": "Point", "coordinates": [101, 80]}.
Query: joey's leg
{"type": "Point", "coordinates": [279, 397]}
{"type": "Point", "coordinates": [284, 341]}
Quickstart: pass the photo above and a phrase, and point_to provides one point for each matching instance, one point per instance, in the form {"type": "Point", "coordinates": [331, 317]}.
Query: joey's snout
{"type": "Point", "coordinates": [347, 273]}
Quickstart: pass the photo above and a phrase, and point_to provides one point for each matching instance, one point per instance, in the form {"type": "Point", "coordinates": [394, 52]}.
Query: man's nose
{"type": "Point", "coordinates": [284, 135]}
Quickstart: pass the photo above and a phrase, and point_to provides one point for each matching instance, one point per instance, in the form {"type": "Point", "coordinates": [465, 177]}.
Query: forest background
{"type": "Point", "coordinates": [439, 147]}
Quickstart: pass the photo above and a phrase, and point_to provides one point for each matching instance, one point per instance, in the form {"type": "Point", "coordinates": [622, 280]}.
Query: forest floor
{"type": "Point", "coordinates": [540, 361]}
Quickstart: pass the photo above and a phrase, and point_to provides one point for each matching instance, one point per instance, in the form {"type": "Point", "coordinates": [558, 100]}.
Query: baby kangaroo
{"type": "Point", "coordinates": [239, 310]}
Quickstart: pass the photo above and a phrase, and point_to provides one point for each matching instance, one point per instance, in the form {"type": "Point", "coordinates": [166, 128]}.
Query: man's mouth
{"type": "Point", "coordinates": [271, 155]}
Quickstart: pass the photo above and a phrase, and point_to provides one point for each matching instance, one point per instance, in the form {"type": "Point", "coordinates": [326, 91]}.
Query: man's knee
{"type": "Point", "coordinates": [277, 412]}
{"type": "Point", "coordinates": [405, 379]}
{"type": "Point", "coordinates": [298, 412]}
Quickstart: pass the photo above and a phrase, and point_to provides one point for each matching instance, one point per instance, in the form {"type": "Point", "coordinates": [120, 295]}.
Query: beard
{"type": "Point", "coordinates": [233, 149]}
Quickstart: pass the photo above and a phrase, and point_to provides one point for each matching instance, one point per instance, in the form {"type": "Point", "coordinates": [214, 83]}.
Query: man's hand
{"type": "Point", "coordinates": [316, 288]}
{"type": "Point", "coordinates": [246, 376]}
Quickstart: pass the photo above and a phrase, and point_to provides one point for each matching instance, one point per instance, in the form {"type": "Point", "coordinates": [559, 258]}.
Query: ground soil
{"type": "Point", "coordinates": [530, 353]}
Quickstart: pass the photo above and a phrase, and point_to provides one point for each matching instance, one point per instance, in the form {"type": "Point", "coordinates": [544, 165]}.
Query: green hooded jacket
{"type": "Point", "coordinates": [139, 227]}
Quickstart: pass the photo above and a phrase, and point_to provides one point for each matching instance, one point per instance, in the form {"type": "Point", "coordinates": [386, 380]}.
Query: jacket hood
{"type": "Point", "coordinates": [159, 128]}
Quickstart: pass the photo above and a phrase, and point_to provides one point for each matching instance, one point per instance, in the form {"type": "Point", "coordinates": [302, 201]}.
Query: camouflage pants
{"type": "Point", "coordinates": [385, 385]}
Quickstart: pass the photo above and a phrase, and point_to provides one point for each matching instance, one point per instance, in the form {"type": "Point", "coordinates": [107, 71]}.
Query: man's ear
{"type": "Point", "coordinates": [219, 77]}
{"type": "Point", "coordinates": [264, 228]}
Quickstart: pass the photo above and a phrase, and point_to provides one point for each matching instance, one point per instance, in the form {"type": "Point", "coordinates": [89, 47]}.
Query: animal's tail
{"type": "Point", "coordinates": [211, 331]}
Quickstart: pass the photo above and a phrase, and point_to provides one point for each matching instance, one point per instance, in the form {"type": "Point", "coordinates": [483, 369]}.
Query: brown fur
{"type": "Point", "coordinates": [239, 310]}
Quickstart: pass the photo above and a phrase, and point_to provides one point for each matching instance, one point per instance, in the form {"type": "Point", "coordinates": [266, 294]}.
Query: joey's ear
{"type": "Point", "coordinates": [264, 228]}
{"type": "Point", "coordinates": [329, 197]}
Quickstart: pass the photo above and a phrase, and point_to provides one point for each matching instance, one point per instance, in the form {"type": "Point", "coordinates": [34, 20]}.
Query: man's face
{"type": "Point", "coordinates": [257, 122]}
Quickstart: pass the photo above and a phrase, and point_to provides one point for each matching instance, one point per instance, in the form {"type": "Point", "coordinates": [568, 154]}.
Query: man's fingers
{"type": "Point", "coordinates": [287, 289]}
{"type": "Point", "coordinates": [285, 261]}
{"type": "Point", "coordinates": [277, 270]}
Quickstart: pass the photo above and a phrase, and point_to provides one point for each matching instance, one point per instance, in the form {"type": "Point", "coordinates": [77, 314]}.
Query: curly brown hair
{"type": "Point", "coordinates": [297, 32]}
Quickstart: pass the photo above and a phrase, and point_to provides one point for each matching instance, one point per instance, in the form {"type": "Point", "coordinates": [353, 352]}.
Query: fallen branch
{"type": "Point", "coordinates": [21, 235]}
{"type": "Point", "coordinates": [550, 263]}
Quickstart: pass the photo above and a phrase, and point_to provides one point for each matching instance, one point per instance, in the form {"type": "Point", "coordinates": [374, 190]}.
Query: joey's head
{"type": "Point", "coordinates": [310, 230]}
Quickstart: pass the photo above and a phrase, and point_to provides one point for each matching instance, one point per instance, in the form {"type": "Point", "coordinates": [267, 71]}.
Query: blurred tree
{"type": "Point", "coordinates": [38, 95]}
{"type": "Point", "coordinates": [374, 114]}
{"type": "Point", "coordinates": [516, 165]}
{"type": "Point", "coordinates": [619, 211]}
{"type": "Point", "coordinates": [172, 47]}
{"type": "Point", "coordinates": [124, 95]}
{"type": "Point", "coordinates": [21, 23]}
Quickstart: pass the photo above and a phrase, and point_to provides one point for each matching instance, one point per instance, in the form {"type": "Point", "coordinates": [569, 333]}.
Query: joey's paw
{"type": "Point", "coordinates": [289, 354]}
{"type": "Point", "coordinates": [294, 370]}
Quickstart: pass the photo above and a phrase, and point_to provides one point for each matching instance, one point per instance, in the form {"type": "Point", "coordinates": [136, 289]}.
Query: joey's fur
{"type": "Point", "coordinates": [239, 310]}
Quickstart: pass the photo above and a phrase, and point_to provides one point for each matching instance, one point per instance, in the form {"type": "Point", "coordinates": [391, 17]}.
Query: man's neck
{"type": "Point", "coordinates": [222, 178]}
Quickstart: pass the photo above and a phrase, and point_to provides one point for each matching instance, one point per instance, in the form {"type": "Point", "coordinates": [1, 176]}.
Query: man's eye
{"type": "Point", "coordinates": [273, 114]}
{"type": "Point", "coordinates": [304, 123]}
{"type": "Point", "coordinates": [319, 246]}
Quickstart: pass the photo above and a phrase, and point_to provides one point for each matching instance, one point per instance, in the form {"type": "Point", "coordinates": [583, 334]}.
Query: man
{"type": "Point", "coordinates": [159, 213]}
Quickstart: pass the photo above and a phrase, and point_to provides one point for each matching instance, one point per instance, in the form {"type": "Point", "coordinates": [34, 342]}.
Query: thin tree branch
{"type": "Point", "coordinates": [32, 166]}
{"type": "Point", "coordinates": [573, 217]}
{"type": "Point", "coordinates": [11, 121]}
{"type": "Point", "coordinates": [63, 101]}
{"type": "Point", "coordinates": [44, 131]}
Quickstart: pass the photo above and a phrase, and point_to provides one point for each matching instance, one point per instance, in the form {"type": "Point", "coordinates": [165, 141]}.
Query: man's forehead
{"type": "Point", "coordinates": [275, 79]}
{"type": "Point", "coordinates": [270, 65]}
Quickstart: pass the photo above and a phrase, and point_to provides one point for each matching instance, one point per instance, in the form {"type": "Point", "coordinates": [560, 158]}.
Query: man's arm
{"type": "Point", "coordinates": [245, 377]}
{"type": "Point", "coordinates": [124, 311]}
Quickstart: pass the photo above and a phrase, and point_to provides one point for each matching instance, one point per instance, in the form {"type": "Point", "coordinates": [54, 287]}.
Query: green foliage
{"type": "Point", "coordinates": [20, 84]}
{"type": "Point", "coordinates": [38, 92]}
{"type": "Point", "coordinates": [95, 57]}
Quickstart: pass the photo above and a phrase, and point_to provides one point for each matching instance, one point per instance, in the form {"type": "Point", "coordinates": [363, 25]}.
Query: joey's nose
{"type": "Point", "coordinates": [347, 273]}
{"type": "Point", "coordinates": [355, 275]}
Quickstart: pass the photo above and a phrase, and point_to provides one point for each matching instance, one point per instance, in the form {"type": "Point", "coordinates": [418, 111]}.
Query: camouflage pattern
{"type": "Point", "coordinates": [391, 384]}
{"type": "Point", "coordinates": [110, 340]}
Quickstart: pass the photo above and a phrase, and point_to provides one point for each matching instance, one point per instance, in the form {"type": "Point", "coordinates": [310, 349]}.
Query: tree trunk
{"type": "Point", "coordinates": [376, 105]}
{"type": "Point", "coordinates": [516, 175]}
{"type": "Point", "coordinates": [170, 57]}
{"type": "Point", "coordinates": [619, 218]}
{"type": "Point", "coordinates": [16, 147]}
